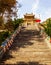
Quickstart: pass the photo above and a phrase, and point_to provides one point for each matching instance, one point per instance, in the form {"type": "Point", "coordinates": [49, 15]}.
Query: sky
{"type": "Point", "coordinates": [41, 8]}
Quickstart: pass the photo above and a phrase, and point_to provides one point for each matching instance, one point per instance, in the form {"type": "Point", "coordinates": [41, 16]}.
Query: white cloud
{"type": "Point", "coordinates": [35, 5]}
{"type": "Point", "coordinates": [20, 0]}
{"type": "Point", "coordinates": [48, 12]}
{"type": "Point", "coordinates": [46, 15]}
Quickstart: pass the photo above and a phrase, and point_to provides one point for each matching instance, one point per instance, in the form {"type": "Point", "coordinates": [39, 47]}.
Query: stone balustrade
{"type": "Point", "coordinates": [8, 42]}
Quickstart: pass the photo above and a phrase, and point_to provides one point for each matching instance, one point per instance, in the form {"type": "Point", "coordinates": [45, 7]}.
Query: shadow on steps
{"type": "Point", "coordinates": [29, 63]}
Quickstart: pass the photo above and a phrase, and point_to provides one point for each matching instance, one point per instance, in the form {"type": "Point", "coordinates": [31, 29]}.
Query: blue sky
{"type": "Point", "coordinates": [41, 8]}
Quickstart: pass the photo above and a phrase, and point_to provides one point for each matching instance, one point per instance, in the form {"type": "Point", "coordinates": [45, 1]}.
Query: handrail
{"type": "Point", "coordinates": [8, 42]}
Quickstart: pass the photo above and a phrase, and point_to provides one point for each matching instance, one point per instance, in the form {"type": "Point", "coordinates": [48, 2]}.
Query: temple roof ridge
{"type": "Point", "coordinates": [29, 14]}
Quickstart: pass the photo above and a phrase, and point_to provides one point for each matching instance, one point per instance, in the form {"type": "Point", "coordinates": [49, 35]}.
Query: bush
{"type": "Point", "coordinates": [9, 26]}
{"type": "Point", "coordinates": [47, 27]}
{"type": "Point", "coordinates": [3, 36]}
{"type": "Point", "coordinates": [17, 22]}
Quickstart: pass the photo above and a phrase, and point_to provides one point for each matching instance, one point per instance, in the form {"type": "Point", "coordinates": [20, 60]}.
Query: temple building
{"type": "Point", "coordinates": [29, 20]}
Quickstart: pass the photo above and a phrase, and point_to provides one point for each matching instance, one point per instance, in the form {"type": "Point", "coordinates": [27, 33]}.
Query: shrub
{"type": "Point", "coordinates": [3, 36]}
{"type": "Point", "coordinates": [17, 22]}
{"type": "Point", "coordinates": [47, 27]}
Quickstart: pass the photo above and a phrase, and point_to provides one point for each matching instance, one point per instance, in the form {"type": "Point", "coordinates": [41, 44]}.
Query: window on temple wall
{"type": "Point", "coordinates": [28, 23]}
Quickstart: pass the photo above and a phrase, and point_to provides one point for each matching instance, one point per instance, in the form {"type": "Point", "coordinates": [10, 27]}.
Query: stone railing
{"type": "Point", "coordinates": [46, 38]}
{"type": "Point", "coordinates": [8, 42]}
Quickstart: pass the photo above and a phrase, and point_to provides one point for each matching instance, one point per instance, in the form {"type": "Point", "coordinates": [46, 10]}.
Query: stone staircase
{"type": "Point", "coordinates": [29, 48]}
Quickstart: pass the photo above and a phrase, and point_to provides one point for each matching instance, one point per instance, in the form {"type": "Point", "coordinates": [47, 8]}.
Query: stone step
{"type": "Point", "coordinates": [29, 47]}
{"type": "Point", "coordinates": [46, 62]}
{"type": "Point", "coordinates": [34, 50]}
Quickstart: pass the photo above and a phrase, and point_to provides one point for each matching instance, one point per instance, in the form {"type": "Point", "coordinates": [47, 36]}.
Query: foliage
{"type": "Point", "coordinates": [6, 5]}
{"type": "Point", "coordinates": [12, 25]}
{"type": "Point", "coordinates": [17, 22]}
{"type": "Point", "coordinates": [9, 26]}
{"type": "Point", "coordinates": [8, 8]}
{"type": "Point", "coordinates": [47, 27]}
{"type": "Point", "coordinates": [1, 23]}
{"type": "Point", "coordinates": [3, 36]}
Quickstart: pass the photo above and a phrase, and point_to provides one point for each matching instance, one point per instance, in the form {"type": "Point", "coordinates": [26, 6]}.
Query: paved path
{"type": "Point", "coordinates": [28, 48]}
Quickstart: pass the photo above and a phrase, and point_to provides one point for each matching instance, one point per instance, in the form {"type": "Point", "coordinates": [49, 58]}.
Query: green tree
{"type": "Point", "coordinates": [8, 8]}
{"type": "Point", "coordinates": [3, 36]}
{"type": "Point", "coordinates": [6, 5]}
{"type": "Point", "coordinates": [16, 22]}
{"type": "Point", "coordinates": [9, 26]}
{"type": "Point", "coordinates": [48, 29]}
{"type": "Point", "coordinates": [47, 26]}
{"type": "Point", "coordinates": [1, 23]}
